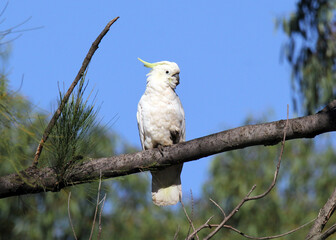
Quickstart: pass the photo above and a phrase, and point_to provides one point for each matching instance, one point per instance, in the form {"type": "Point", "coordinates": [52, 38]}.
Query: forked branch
{"type": "Point", "coordinates": [323, 217]}
{"type": "Point", "coordinates": [247, 198]}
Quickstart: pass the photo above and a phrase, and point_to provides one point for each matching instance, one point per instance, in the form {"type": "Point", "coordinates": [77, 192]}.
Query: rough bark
{"type": "Point", "coordinates": [34, 180]}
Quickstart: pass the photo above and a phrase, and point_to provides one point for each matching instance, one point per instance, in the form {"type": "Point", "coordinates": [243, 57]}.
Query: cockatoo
{"type": "Point", "coordinates": [161, 123]}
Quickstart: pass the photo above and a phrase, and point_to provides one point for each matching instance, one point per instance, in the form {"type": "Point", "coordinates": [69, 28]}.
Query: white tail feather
{"type": "Point", "coordinates": [166, 186]}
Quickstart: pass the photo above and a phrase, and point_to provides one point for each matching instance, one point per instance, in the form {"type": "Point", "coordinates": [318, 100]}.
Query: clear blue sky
{"type": "Point", "coordinates": [229, 53]}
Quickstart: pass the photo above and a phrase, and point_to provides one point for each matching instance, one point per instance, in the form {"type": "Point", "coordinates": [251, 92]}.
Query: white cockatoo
{"type": "Point", "coordinates": [161, 123]}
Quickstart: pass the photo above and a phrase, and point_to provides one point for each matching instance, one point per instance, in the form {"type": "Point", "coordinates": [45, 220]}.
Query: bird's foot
{"type": "Point", "coordinates": [161, 150]}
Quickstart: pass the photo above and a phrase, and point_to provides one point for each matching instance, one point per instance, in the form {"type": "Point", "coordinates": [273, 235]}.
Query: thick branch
{"type": "Point", "coordinates": [33, 180]}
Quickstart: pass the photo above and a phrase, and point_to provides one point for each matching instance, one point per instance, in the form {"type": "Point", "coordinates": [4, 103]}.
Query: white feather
{"type": "Point", "coordinates": [160, 118]}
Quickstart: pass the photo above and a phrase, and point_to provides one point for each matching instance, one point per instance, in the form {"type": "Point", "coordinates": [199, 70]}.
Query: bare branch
{"type": "Point", "coordinates": [268, 237]}
{"type": "Point", "coordinates": [189, 220]}
{"type": "Point", "coordinates": [177, 231]}
{"type": "Point", "coordinates": [95, 214]}
{"type": "Point", "coordinates": [329, 232]}
{"type": "Point", "coordinates": [33, 180]}
{"type": "Point", "coordinates": [100, 215]}
{"type": "Point", "coordinates": [323, 217]}
{"type": "Point", "coordinates": [80, 74]}
{"type": "Point", "coordinates": [234, 211]}
{"type": "Point", "coordinates": [97, 205]}
{"type": "Point", "coordinates": [248, 198]}
{"type": "Point", "coordinates": [205, 225]}
{"type": "Point", "coordinates": [217, 205]}
{"type": "Point", "coordinates": [278, 165]}
{"type": "Point", "coordinates": [192, 209]}
{"type": "Point", "coordinates": [72, 227]}
{"type": "Point", "coordinates": [4, 9]}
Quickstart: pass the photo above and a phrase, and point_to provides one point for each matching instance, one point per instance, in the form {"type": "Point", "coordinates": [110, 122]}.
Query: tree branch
{"type": "Point", "coordinates": [80, 74]}
{"type": "Point", "coordinates": [34, 180]}
{"type": "Point", "coordinates": [322, 219]}
{"type": "Point", "coordinates": [189, 220]}
{"type": "Point", "coordinates": [245, 199]}
{"type": "Point", "coordinates": [268, 237]}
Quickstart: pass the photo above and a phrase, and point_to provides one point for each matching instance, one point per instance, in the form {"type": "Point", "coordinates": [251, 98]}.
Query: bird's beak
{"type": "Point", "coordinates": [177, 77]}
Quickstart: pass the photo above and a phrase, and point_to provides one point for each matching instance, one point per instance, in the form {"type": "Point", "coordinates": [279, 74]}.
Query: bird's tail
{"type": "Point", "coordinates": [166, 186]}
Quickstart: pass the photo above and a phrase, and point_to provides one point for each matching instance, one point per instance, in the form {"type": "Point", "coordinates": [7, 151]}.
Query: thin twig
{"type": "Point", "coordinates": [177, 231]}
{"type": "Point", "coordinates": [190, 222]}
{"type": "Point", "coordinates": [100, 214]}
{"type": "Point", "coordinates": [4, 9]}
{"type": "Point", "coordinates": [80, 74]}
{"type": "Point", "coordinates": [268, 237]}
{"type": "Point", "coordinates": [217, 205]}
{"type": "Point", "coordinates": [278, 165]}
{"type": "Point", "coordinates": [192, 209]}
{"type": "Point", "coordinates": [205, 225]}
{"type": "Point", "coordinates": [97, 205]}
{"type": "Point", "coordinates": [233, 212]}
{"type": "Point", "coordinates": [248, 198]}
{"type": "Point", "coordinates": [72, 227]}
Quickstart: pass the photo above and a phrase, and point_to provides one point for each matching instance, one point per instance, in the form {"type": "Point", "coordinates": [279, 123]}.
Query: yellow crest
{"type": "Point", "coordinates": [149, 65]}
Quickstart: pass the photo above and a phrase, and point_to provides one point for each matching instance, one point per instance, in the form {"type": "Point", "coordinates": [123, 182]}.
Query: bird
{"type": "Point", "coordinates": [161, 122]}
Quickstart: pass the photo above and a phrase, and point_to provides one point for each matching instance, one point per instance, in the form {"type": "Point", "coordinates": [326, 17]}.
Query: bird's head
{"type": "Point", "coordinates": [163, 73]}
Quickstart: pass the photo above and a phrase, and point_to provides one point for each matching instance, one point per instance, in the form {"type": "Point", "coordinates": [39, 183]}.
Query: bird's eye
{"type": "Point", "coordinates": [167, 71]}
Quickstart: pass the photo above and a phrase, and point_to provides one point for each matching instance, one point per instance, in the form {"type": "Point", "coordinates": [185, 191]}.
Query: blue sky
{"type": "Point", "coordinates": [229, 53]}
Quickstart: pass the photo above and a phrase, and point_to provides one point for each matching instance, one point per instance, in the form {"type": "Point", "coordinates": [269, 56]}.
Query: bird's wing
{"type": "Point", "coordinates": [140, 125]}
{"type": "Point", "coordinates": [183, 128]}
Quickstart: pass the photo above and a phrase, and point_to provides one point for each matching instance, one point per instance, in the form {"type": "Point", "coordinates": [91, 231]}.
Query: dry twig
{"type": "Point", "coordinates": [205, 225]}
{"type": "Point", "coordinates": [100, 215]}
{"type": "Point", "coordinates": [268, 237]}
{"type": "Point", "coordinates": [189, 220]}
{"type": "Point", "coordinates": [72, 227]}
{"type": "Point", "coordinates": [217, 205]}
{"type": "Point", "coordinates": [233, 212]}
{"type": "Point", "coordinates": [177, 231]}
{"type": "Point", "coordinates": [247, 197]}
{"type": "Point", "coordinates": [102, 202]}
{"type": "Point", "coordinates": [80, 74]}
{"type": "Point", "coordinates": [97, 205]}
{"type": "Point", "coordinates": [323, 217]}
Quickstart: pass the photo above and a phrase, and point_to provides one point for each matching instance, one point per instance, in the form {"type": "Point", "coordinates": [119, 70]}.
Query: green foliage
{"type": "Point", "coordinates": [311, 52]}
{"type": "Point", "coordinates": [72, 129]}
{"type": "Point", "coordinates": [18, 133]}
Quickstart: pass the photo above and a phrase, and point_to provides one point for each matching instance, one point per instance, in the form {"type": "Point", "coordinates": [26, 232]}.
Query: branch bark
{"type": "Point", "coordinates": [35, 180]}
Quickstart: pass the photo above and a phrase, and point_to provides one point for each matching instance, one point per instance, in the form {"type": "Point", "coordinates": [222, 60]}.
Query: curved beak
{"type": "Point", "coordinates": [177, 77]}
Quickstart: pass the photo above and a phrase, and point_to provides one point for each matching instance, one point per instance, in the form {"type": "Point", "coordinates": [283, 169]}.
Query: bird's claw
{"type": "Point", "coordinates": [161, 150]}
